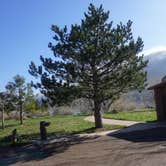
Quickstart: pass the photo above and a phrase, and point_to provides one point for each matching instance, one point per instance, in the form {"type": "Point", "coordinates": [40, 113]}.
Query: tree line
{"type": "Point", "coordinates": [18, 96]}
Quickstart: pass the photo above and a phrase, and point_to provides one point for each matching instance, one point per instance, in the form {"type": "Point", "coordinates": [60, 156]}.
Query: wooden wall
{"type": "Point", "coordinates": [160, 99]}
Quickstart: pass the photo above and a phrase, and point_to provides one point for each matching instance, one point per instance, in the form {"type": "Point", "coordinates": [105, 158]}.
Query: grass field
{"type": "Point", "coordinates": [139, 115]}
{"type": "Point", "coordinates": [60, 124]}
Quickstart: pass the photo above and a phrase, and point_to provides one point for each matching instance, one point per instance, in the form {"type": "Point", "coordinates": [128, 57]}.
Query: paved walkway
{"type": "Point", "coordinates": [130, 126]}
{"type": "Point", "coordinates": [113, 121]}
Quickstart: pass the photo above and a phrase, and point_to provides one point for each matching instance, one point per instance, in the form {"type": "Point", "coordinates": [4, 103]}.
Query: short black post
{"type": "Point", "coordinates": [14, 137]}
{"type": "Point", "coordinates": [43, 131]}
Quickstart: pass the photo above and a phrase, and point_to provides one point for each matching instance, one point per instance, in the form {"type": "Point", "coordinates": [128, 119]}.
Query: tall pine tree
{"type": "Point", "coordinates": [95, 60]}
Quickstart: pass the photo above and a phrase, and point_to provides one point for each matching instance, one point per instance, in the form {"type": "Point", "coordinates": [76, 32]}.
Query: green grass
{"type": "Point", "coordinates": [60, 124]}
{"type": "Point", "coordinates": [138, 115]}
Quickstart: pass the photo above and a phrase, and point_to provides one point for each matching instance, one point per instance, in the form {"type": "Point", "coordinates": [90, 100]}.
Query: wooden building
{"type": "Point", "coordinates": [160, 99]}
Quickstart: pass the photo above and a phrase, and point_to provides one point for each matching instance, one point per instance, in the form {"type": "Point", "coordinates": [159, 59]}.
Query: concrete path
{"type": "Point", "coordinates": [130, 126]}
{"type": "Point", "coordinates": [101, 133]}
{"type": "Point", "coordinates": [113, 121]}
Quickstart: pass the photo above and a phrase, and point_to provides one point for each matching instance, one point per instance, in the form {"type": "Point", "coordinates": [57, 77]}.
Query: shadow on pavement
{"type": "Point", "coordinates": [142, 132]}
{"type": "Point", "coordinates": [29, 152]}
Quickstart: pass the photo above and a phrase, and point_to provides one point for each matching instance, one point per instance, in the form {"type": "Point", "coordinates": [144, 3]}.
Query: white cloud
{"type": "Point", "coordinates": [154, 50]}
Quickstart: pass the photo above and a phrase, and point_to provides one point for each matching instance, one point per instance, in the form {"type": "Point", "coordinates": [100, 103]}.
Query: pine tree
{"type": "Point", "coordinates": [16, 92]}
{"type": "Point", "coordinates": [95, 60]}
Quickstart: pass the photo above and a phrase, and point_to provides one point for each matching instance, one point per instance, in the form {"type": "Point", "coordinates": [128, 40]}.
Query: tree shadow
{"type": "Point", "coordinates": [151, 121]}
{"type": "Point", "coordinates": [89, 130]}
{"type": "Point", "coordinates": [29, 152]}
{"type": "Point", "coordinates": [142, 132]}
{"type": "Point", "coordinates": [26, 138]}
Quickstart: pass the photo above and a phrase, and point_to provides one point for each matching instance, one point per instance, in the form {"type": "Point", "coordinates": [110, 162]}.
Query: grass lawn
{"type": "Point", "coordinates": [60, 124]}
{"type": "Point", "coordinates": [138, 115]}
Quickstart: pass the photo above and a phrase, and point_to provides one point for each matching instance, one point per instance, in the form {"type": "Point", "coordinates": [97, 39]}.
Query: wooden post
{"type": "Point", "coordinates": [3, 118]}
{"type": "Point", "coordinates": [159, 104]}
{"type": "Point", "coordinates": [160, 99]}
{"type": "Point", "coordinates": [14, 137]}
{"type": "Point", "coordinates": [164, 102]}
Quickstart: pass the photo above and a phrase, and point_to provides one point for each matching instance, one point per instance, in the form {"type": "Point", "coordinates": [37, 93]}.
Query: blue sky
{"type": "Point", "coordinates": [25, 27]}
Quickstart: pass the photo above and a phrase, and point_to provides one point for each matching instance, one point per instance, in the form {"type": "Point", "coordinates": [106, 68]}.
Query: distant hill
{"type": "Point", "coordinates": [156, 70]}
{"type": "Point", "coordinates": [156, 67]}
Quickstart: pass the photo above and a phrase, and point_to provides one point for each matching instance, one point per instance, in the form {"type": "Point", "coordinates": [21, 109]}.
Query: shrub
{"type": "Point", "coordinates": [37, 113]}
{"type": "Point", "coordinates": [81, 106]}
{"type": "Point", "coordinates": [121, 105]}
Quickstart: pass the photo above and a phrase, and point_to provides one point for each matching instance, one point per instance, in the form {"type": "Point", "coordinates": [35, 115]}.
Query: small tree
{"type": "Point", "coordinates": [93, 60]}
{"type": "Point", "coordinates": [16, 93]}
{"type": "Point", "coordinates": [2, 106]}
{"type": "Point", "coordinates": [10, 98]}
{"type": "Point", "coordinates": [30, 101]}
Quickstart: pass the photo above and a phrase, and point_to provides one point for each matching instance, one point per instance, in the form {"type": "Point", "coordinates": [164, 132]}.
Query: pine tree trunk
{"type": "Point", "coordinates": [97, 115]}
{"type": "Point", "coordinates": [3, 118]}
{"type": "Point", "coordinates": [21, 114]}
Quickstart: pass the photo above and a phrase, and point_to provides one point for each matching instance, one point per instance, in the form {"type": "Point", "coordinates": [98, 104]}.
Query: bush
{"type": "Point", "coordinates": [62, 110]}
{"type": "Point", "coordinates": [65, 110]}
{"type": "Point", "coordinates": [37, 113]}
{"type": "Point", "coordinates": [78, 106]}
{"type": "Point", "coordinates": [120, 105]}
{"type": "Point", "coordinates": [14, 115]}
{"type": "Point", "coordinates": [82, 106]}
{"type": "Point", "coordinates": [5, 115]}
{"type": "Point", "coordinates": [129, 106]}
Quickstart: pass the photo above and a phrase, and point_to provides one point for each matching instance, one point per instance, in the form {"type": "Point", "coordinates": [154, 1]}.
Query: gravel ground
{"type": "Point", "coordinates": [138, 148]}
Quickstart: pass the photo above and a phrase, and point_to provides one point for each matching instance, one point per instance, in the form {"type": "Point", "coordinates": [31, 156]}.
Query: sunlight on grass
{"type": "Point", "coordinates": [60, 124]}
{"type": "Point", "coordinates": [138, 115]}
